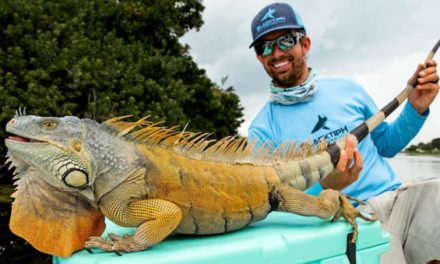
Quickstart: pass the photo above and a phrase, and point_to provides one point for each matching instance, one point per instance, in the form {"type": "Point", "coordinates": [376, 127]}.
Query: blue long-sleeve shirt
{"type": "Point", "coordinates": [338, 106]}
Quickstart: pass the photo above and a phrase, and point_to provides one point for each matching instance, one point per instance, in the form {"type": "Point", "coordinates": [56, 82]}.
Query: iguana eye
{"type": "Point", "coordinates": [49, 124]}
{"type": "Point", "coordinates": [76, 178]}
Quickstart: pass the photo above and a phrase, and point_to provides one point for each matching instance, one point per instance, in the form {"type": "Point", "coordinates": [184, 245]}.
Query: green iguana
{"type": "Point", "coordinates": [71, 172]}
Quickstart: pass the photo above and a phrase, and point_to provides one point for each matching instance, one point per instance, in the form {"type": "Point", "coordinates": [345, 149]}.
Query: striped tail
{"type": "Point", "coordinates": [366, 127]}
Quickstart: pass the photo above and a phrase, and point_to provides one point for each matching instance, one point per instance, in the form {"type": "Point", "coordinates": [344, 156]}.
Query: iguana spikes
{"type": "Point", "coordinates": [132, 126]}
{"type": "Point", "coordinates": [166, 136]}
{"type": "Point", "coordinates": [197, 145]}
{"type": "Point", "coordinates": [113, 120]}
{"type": "Point", "coordinates": [20, 112]}
{"type": "Point", "coordinates": [197, 142]}
{"type": "Point", "coordinates": [233, 148]}
{"type": "Point", "coordinates": [222, 144]}
{"type": "Point", "coordinates": [145, 132]}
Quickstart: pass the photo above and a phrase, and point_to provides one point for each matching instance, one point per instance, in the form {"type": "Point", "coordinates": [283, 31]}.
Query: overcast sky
{"type": "Point", "coordinates": [377, 43]}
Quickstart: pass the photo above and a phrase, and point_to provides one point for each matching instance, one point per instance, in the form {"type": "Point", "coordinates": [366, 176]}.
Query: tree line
{"type": "Point", "coordinates": [432, 146]}
{"type": "Point", "coordinates": [100, 59]}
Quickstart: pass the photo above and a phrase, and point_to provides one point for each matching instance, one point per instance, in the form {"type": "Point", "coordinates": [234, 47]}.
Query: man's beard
{"type": "Point", "coordinates": [289, 78]}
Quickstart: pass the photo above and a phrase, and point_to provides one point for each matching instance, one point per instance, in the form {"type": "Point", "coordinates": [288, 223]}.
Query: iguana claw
{"type": "Point", "coordinates": [115, 244]}
{"type": "Point", "coordinates": [350, 213]}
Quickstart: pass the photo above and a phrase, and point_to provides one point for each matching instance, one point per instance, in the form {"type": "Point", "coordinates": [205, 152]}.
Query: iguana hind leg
{"type": "Point", "coordinates": [329, 203]}
{"type": "Point", "coordinates": [157, 219]}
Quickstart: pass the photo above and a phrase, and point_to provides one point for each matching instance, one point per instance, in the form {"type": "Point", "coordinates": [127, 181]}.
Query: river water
{"type": "Point", "coordinates": [410, 167]}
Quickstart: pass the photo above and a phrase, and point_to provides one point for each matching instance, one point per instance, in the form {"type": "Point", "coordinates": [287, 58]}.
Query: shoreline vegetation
{"type": "Point", "coordinates": [425, 153]}
{"type": "Point", "coordinates": [429, 149]}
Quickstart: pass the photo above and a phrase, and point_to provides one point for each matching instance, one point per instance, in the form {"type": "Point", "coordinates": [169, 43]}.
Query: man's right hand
{"type": "Point", "coordinates": [345, 174]}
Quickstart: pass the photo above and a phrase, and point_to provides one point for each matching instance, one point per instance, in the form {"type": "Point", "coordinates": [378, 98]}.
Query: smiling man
{"type": "Point", "coordinates": [305, 108]}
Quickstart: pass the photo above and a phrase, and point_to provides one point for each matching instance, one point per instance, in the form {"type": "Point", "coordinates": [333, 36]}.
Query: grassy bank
{"type": "Point", "coordinates": [425, 153]}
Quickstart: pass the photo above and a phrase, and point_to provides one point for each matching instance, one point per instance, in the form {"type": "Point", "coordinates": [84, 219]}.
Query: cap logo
{"type": "Point", "coordinates": [269, 20]}
{"type": "Point", "coordinates": [276, 16]}
{"type": "Point", "coordinates": [269, 14]}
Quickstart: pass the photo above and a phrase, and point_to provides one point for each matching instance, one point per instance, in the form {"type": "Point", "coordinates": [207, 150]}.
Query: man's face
{"type": "Point", "coordinates": [287, 68]}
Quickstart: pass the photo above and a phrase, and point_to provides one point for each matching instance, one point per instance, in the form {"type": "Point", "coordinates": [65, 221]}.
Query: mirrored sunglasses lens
{"type": "Point", "coordinates": [284, 42]}
{"type": "Point", "coordinates": [283, 47]}
{"type": "Point", "coordinates": [267, 50]}
{"type": "Point", "coordinates": [288, 41]}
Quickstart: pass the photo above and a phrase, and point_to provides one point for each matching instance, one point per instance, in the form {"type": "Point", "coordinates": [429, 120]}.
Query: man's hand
{"type": "Point", "coordinates": [427, 87]}
{"type": "Point", "coordinates": [344, 175]}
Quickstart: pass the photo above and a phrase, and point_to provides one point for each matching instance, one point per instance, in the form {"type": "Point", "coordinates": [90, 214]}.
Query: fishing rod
{"type": "Point", "coordinates": [361, 131]}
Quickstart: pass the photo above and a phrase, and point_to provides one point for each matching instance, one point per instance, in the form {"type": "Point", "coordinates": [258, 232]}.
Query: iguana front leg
{"type": "Point", "coordinates": [329, 203]}
{"type": "Point", "coordinates": [156, 219]}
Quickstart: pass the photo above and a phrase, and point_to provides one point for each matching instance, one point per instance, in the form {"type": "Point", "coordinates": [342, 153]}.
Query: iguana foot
{"type": "Point", "coordinates": [349, 213]}
{"type": "Point", "coordinates": [329, 203]}
{"type": "Point", "coordinates": [115, 243]}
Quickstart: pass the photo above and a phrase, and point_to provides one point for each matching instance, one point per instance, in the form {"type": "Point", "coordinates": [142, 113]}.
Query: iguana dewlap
{"type": "Point", "coordinates": [72, 172]}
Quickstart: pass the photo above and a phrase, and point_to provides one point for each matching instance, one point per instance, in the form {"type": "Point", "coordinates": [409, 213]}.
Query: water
{"type": "Point", "coordinates": [410, 167]}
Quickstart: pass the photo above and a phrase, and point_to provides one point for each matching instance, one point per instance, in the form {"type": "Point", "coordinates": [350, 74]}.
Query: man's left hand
{"type": "Point", "coordinates": [427, 87]}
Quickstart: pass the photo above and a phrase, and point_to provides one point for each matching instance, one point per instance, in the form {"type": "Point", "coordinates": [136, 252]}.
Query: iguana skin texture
{"type": "Point", "coordinates": [71, 172]}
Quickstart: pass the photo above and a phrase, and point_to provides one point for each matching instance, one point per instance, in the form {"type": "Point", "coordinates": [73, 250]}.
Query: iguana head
{"type": "Point", "coordinates": [53, 147]}
{"type": "Point", "coordinates": [55, 201]}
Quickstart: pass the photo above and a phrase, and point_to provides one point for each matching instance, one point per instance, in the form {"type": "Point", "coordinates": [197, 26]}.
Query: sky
{"type": "Point", "coordinates": [376, 43]}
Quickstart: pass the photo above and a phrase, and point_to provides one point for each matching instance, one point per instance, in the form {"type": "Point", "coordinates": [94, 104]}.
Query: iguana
{"type": "Point", "coordinates": [72, 172]}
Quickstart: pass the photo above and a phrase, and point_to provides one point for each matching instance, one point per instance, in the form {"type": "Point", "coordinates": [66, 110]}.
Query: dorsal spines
{"type": "Point", "coordinates": [231, 149]}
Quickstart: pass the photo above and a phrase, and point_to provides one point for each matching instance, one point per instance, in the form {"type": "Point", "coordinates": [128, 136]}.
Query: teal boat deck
{"type": "Point", "coordinates": [280, 238]}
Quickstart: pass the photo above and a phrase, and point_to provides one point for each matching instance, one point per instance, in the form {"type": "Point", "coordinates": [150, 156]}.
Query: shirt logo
{"type": "Point", "coordinates": [269, 14]}
{"type": "Point", "coordinates": [331, 136]}
{"type": "Point", "coordinates": [320, 124]}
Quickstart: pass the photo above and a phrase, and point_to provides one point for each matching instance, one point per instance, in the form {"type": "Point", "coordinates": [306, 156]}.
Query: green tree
{"type": "Point", "coordinates": [424, 146]}
{"type": "Point", "coordinates": [412, 148]}
{"type": "Point", "coordinates": [105, 58]}
{"type": "Point", "coordinates": [435, 143]}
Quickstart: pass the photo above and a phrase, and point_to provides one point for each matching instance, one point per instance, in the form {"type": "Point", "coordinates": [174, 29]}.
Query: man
{"type": "Point", "coordinates": [305, 108]}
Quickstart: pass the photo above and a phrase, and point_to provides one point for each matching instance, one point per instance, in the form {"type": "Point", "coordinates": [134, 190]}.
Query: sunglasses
{"type": "Point", "coordinates": [284, 42]}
